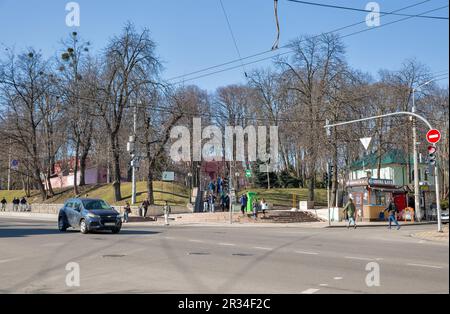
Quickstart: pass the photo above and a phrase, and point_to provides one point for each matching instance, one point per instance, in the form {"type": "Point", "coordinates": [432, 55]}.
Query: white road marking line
{"type": "Point", "coordinates": [196, 241]}
{"type": "Point", "coordinates": [338, 278]}
{"type": "Point", "coordinates": [323, 285]}
{"type": "Point", "coordinates": [169, 238]}
{"type": "Point", "coordinates": [310, 291]}
{"type": "Point", "coordinates": [8, 260]}
{"type": "Point", "coordinates": [306, 253]}
{"type": "Point", "coordinates": [367, 259]}
{"type": "Point", "coordinates": [262, 248]}
{"type": "Point", "coordinates": [425, 266]}
{"type": "Point", "coordinates": [227, 244]}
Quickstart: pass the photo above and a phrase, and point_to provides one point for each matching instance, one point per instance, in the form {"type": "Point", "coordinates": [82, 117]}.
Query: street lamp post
{"type": "Point", "coordinates": [415, 151]}
{"type": "Point", "coordinates": [414, 115]}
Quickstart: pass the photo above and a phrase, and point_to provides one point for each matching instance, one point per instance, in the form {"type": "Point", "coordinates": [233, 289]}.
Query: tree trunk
{"type": "Point", "coordinates": [83, 161]}
{"type": "Point", "coordinates": [116, 164]}
{"type": "Point", "coordinates": [41, 188]}
{"type": "Point", "coordinates": [150, 196]}
{"type": "Point", "coordinates": [75, 171]}
{"type": "Point", "coordinates": [311, 188]}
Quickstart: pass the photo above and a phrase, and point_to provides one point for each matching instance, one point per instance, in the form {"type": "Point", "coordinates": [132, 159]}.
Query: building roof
{"type": "Point", "coordinates": [395, 156]}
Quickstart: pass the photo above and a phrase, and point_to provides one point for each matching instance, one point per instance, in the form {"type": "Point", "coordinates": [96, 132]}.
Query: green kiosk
{"type": "Point", "coordinates": [251, 196]}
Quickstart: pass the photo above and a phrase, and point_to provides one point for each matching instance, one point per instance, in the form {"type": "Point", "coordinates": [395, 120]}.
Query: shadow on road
{"type": "Point", "coordinates": [19, 233]}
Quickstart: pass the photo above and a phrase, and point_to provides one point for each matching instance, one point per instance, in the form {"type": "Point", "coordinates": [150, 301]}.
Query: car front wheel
{"type": "Point", "coordinates": [62, 226]}
{"type": "Point", "coordinates": [83, 227]}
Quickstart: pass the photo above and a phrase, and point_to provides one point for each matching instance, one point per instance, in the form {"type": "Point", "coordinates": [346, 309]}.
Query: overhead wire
{"type": "Point", "coordinates": [291, 51]}
{"type": "Point", "coordinates": [363, 10]}
{"type": "Point", "coordinates": [232, 36]}
{"type": "Point", "coordinates": [180, 77]}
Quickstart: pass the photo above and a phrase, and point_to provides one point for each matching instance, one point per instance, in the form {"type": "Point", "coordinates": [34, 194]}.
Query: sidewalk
{"type": "Point", "coordinates": [433, 235]}
{"type": "Point", "coordinates": [383, 224]}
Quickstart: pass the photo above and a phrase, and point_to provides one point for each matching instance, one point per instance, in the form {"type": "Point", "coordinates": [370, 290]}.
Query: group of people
{"type": "Point", "coordinates": [19, 205]}
{"type": "Point", "coordinates": [391, 209]}
{"type": "Point", "coordinates": [261, 206]}
{"type": "Point", "coordinates": [144, 209]}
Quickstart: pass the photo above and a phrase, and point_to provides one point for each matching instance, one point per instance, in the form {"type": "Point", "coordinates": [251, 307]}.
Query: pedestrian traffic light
{"type": "Point", "coordinates": [432, 155]}
{"type": "Point", "coordinates": [325, 178]}
{"type": "Point", "coordinates": [330, 172]}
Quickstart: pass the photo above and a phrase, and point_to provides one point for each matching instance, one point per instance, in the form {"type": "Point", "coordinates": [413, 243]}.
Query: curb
{"type": "Point", "coordinates": [384, 225]}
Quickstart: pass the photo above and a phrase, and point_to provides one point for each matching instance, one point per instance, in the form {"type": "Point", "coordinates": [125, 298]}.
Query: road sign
{"type": "Point", "coordinates": [168, 176]}
{"type": "Point", "coordinates": [248, 173]}
{"type": "Point", "coordinates": [433, 136]}
{"type": "Point", "coordinates": [366, 142]}
{"type": "Point", "coordinates": [14, 165]}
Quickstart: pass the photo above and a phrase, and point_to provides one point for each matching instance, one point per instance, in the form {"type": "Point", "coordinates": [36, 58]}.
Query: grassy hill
{"type": "Point", "coordinates": [173, 193]}
{"type": "Point", "coordinates": [284, 197]}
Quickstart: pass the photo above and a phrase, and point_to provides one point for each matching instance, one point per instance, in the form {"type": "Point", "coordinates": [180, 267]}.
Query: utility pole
{"type": "Point", "coordinates": [131, 148]}
{"type": "Point", "coordinates": [9, 166]}
{"type": "Point", "coordinates": [268, 173]}
{"type": "Point", "coordinates": [231, 187]}
{"type": "Point", "coordinates": [415, 151]}
{"type": "Point", "coordinates": [416, 163]}
{"type": "Point", "coordinates": [133, 189]}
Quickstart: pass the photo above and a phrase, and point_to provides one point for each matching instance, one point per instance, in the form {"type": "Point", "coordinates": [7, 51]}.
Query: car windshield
{"type": "Point", "coordinates": [95, 205]}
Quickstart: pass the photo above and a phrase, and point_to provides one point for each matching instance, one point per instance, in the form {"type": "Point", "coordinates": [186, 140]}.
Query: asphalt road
{"type": "Point", "coordinates": [202, 259]}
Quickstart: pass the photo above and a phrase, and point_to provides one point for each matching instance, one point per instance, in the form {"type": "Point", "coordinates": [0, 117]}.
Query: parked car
{"type": "Point", "coordinates": [89, 215]}
{"type": "Point", "coordinates": [444, 217]}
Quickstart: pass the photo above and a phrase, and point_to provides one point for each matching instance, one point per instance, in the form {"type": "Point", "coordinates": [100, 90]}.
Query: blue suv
{"type": "Point", "coordinates": [89, 215]}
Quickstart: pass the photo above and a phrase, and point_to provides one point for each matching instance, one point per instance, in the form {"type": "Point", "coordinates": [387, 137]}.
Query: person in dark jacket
{"type": "Point", "coordinates": [144, 207]}
{"type": "Point", "coordinates": [16, 203]}
{"type": "Point", "coordinates": [244, 201]}
{"type": "Point", "coordinates": [392, 211]}
{"type": "Point", "coordinates": [4, 202]}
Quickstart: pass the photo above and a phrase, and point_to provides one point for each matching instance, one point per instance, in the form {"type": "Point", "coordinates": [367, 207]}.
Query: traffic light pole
{"type": "Point", "coordinates": [414, 115]}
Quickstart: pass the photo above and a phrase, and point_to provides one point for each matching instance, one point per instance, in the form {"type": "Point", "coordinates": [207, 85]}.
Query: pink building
{"type": "Point", "coordinates": [65, 179]}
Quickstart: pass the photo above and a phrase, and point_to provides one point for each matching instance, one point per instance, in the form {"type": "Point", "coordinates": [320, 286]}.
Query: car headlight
{"type": "Point", "coordinates": [91, 215]}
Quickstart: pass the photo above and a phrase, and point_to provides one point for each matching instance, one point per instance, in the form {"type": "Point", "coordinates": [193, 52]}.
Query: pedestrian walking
{"type": "Point", "coordinates": [243, 202]}
{"type": "Point", "coordinates": [350, 211]}
{"type": "Point", "coordinates": [126, 212]}
{"type": "Point", "coordinates": [144, 207]}
{"type": "Point", "coordinates": [167, 210]}
{"type": "Point", "coordinates": [264, 207]}
{"type": "Point", "coordinates": [15, 203]}
{"type": "Point", "coordinates": [205, 205]}
{"type": "Point", "coordinates": [212, 201]}
{"type": "Point", "coordinates": [23, 204]}
{"type": "Point", "coordinates": [255, 209]}
{"type": "Point", "coordinates": [392, 211]}
{"type": "Point", "coordinates": [4, 202]}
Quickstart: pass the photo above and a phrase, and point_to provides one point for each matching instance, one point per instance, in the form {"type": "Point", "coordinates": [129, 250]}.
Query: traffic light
{"type": "Point", "coordinates": [325, 179]}
{"type": "Point", "coordinates": [432, 155]}
{"type": "Point", "coordinates": [331, 172]}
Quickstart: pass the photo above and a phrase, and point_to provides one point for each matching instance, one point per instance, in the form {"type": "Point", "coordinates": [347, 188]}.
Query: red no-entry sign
{"type": "Point", "coordinates": [433, 136]}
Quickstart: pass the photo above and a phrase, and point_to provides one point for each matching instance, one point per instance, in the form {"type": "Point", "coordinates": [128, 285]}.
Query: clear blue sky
{"type": "Point", "coordinates": [193, 34]}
